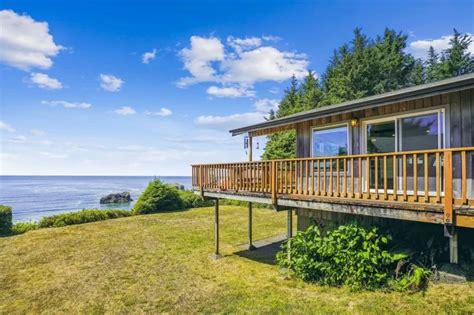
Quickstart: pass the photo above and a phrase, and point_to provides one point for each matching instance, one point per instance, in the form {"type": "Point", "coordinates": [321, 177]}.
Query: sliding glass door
{"type": "Point", "coordinates": [423, 131]}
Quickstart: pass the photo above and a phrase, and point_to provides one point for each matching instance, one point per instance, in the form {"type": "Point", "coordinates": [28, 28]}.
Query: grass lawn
{"type": "Point", "coordinates": [159, 263]}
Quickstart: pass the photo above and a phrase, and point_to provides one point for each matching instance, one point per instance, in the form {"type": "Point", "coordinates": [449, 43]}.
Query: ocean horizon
{"type": "Point", "coordinates": [33, 197]}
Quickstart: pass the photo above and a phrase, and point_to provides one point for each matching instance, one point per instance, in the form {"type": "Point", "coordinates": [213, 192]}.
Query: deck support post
{"type": "Point", "coordinates": [216, 254]}
{"type": "Point", "coordinates": [251, 247]}
{"type": "Point", "coordinates": [290, 231]}
{"type": "Point", "coordinates": [453, 247]}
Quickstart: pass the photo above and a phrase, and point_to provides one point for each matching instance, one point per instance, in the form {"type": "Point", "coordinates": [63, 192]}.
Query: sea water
{"type": "Point", "coordinates": [33, 197]}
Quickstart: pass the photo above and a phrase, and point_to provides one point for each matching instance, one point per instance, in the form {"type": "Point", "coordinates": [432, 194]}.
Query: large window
{"type": "Point", "coordinates": [332, 141]}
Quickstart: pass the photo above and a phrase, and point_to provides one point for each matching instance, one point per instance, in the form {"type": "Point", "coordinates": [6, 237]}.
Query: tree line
{"type": "Point", "coordinates": [365, 67]}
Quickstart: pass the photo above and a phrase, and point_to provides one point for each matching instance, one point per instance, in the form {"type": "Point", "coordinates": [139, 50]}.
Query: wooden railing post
{"type": "Point", "coordinates": [274, 183]}
{"type": "Point", "coordinates": [448, 187]}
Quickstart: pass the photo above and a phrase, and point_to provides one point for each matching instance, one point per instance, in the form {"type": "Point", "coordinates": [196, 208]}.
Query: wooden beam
{"type": "Point", "coordinates": [448, 187]}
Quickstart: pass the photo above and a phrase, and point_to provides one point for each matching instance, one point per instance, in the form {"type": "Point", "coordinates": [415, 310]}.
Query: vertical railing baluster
{"type": "Point", "coordinates": [438, 178]}
{"type": "Point", "coordinates": [415, 177]}
{"type": "Point", "coordinates": [376, 177]}
{"type": "Point", "coordinates": [385, 177]}
{"type": "Point", "coordinates": [426, 177]}
{"type": "Point", "coordinates": [337, 177]}
{"type": "Point", "coordinates": [463, 177]}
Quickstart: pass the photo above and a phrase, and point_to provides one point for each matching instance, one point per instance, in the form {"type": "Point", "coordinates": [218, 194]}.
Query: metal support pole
{"type": "Point", "coordinates": [290, 224]}
{"type": "Point", "coordinates": [453, 247]}
{"type": "Point", "coordinates": [216, 231]}
{"type": "Point", "coordinates": [251, 247]}
{"type": "Point", "coordinates": [290, 231]}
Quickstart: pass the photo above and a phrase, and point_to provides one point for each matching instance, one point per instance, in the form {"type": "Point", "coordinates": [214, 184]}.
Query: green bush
{"type": "Point", "coordinates": [192, 200]}
{"type": "Point", "coordinates": [83, 216]}
{"type": "Point", "coordinates": [349, 255]}
{"type": "Point", "coordinates": [158, 197]}
{"type": "Point", "coordinates": [5, 219]}
{"type": "Point", "coordinates": [23, 227]}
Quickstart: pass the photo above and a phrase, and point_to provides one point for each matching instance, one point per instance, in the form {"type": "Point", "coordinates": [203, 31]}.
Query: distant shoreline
{"type": "Point", "coordinates": [36, 196]}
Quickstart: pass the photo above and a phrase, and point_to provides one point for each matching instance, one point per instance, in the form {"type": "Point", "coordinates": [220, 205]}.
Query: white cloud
{"type": "Point", "coordinates": [37, 132]}
{"type": "Point", "coordinates": [25, 43]}
{"type": "Point", "coordinates": [162, 112]}
{"type": "Point", "coordinates": [149, 56]}
{"type": "Point", "coordinates": [264, 64]}
{"type": "Point", "coordinates": [230, 121]}
{"type": "Point", "coordinates": [271, 38]}
{"type": "Point", "coordinates": [420, 48]}
{"type": "Point", "coordinates": [264, 105]}
{"type": "Point", "coordinates": [230, 91]}
{"type": "Point", "coordinates": [54, 155]}
{"type": "Point", "coordinates": [67, 104]}
{"type": "Point", "coordinates": [197, 59]}
{"type": "Point", "coordinates": [6, 127]}
{"type": "Point", "coordinates": [227, 122]}
{"type": "Point", "coordinates": [125, 110]}
{"type": "Point", "coordinates": [18, 139]}
{"type": "Point", "coordinates": [110, 82]}
{"type": "Point", "coordinates": [44, 81]}
{"type": "Point", "coordinates": [240, 44]}
{"type": "Point", "coordinates": [246, 61]}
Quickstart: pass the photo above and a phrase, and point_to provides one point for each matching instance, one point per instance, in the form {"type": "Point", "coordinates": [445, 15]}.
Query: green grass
{"type": "Point", "coordinates": [160, 263]}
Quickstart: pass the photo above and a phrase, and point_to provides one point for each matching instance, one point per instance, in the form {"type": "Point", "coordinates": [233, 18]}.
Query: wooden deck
{"type": "Point", "coordinates": [435, 186]}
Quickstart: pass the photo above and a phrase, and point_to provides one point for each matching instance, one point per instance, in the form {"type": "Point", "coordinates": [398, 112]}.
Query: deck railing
{"type": "Point", "coordinates": [439, 177]}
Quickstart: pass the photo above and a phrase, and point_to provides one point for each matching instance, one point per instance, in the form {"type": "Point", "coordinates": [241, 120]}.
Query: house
{"type": "Point", "coordinates": [406, 155]}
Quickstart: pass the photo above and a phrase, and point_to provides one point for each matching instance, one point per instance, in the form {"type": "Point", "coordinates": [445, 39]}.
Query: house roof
{"type": "Point", "coordinates": [423, 90]}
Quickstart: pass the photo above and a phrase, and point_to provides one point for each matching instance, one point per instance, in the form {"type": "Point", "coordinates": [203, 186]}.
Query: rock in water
{"type": "Point", "coordinates": [117, 198]}
{"type": "Point", "coordinates": [178, 186]}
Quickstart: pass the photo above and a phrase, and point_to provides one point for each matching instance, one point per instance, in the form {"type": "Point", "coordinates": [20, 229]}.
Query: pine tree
{"type": "Point", "coordinates": [310, 92]}
{"type": "Point", "coordinates": [457, 58]}
{"type": "Point", "coordinates": [290, 102]}
{"type": "Point", "coordinates": [432, 66]}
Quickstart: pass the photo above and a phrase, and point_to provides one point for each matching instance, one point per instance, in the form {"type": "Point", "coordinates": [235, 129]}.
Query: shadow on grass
{"type": "Point", "coordinates": [265, 250]}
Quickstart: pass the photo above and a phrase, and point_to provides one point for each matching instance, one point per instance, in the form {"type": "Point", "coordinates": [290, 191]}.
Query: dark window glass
{"type": "Point", "coordinates": [381, 137]}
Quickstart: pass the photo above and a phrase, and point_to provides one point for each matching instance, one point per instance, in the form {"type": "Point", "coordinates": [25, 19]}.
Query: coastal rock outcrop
{"type": "Point", "coordinates": [178, 186]}
{"type": "Point", "coordinates": [116, 198]}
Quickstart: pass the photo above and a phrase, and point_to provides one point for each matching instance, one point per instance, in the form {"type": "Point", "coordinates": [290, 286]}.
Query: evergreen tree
{"type": "Point", "coordinates": [290, 103]}
{"type": "Point", "coordinates": [457, 59]}
{"type": "Point", "coordinates": [310, 92]}
{"type": "Point", "coordinates": [432, 66]}
{"type": "Point", "coordinates": [367, 67]}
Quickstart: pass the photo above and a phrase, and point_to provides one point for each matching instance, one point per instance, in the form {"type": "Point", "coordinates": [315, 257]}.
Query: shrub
{"type": "Point", "coordinates": [5, 219]}
{"type": "Point", "coordinates": [158, 197]}
{"type": "Point", "coordinates": [192, 200]}
{"type": "Point", "coordinates": [349, 255]}
{"type": "Point", "coordinates": [23, 227]}
{"type": "Point", "coordinates": [83, 216]}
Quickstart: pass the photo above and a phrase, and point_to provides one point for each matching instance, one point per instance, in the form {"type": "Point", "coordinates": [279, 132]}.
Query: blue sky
{"type": "Point", "coordinates": [149, 87]}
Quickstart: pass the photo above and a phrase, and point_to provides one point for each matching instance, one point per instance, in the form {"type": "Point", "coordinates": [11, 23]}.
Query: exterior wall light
{"type": "Point", "coordinates": [353, 122]}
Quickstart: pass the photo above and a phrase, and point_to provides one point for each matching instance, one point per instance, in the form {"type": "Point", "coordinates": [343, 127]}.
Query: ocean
{"type": "Point", "coordinates": [33, 197]}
